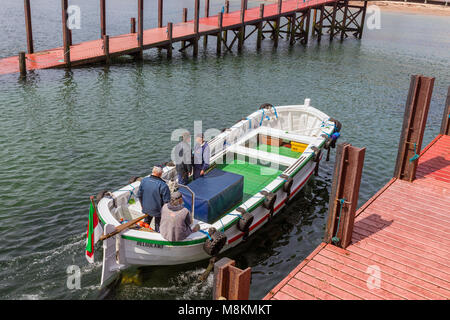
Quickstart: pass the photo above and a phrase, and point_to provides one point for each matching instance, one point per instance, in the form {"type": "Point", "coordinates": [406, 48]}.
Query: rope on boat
{"type": "Point", "coordinates": [262, 118]}
{"type": "Point", "coordinates": [335, 239]}
{"type": "Point", "coordinates": [205, 232]}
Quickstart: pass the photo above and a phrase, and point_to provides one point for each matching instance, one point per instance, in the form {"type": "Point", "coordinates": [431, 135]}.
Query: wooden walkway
{"type": "Point", "coordinates": [92, 51]}
{"type": "Point", "coordinates": [402, 232]}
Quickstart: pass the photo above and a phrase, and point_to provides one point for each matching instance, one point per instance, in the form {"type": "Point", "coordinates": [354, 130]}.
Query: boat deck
{"type": "Point", "coordinates": [400, 244]}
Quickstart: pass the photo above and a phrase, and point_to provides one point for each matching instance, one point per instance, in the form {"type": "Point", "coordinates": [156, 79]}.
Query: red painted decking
{"type": "Point", "coordinates": [403, 230]}
{"type": "Point", "coordinates": [92, 51]}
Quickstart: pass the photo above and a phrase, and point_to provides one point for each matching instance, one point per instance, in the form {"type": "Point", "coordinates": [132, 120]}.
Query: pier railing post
{"type": "Point", "coordinates": [414, 121]}
{"type": "Point", "coordinates": [102, 18]}
{"type": "Point", "coordinates": [230, 283]}
{"type": "Point", "coordinates": [65, 29]}
{"type": "Point", "coordinates": [219, 34]}
{"type": "Point", "coordinates": [445, 126]}
{"type": "Point", "coordinates": [170, 37]}
{"type": "Point", "coordinates": [22, 64]}
{"type": "Point", "coordinates": [205, 37]}
{"type": "Point", "coordinates": [160, 13]}
{"type": "Point", "coordinates": [260, 26]}
{"type": "Point", "coordinates": [133, 25]}
{"type": "Point", "coordinates": [344, 194]}
{"type": "Point", "coordinates": [28, 26]}
{"type": "Point", "coordinates": [141, 29]}
{"type": "Point", "coordinates": [196, 26]}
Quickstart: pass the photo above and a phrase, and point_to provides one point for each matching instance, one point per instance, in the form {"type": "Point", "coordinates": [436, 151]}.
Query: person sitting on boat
{"type": "Point", "coordinates": [182, 158]}
{"type": "Point", "coordinates": [201, 156]}
{"type": "Point", "coordinates": [176, 220]}
{"type": "Point", "coordinates": [153, 194]}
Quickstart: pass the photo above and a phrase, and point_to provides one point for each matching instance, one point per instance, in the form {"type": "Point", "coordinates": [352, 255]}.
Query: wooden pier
{"type": "Point", "coordinates": [398, 244]}
{"type": "Point", "coordinates": [288, 19]}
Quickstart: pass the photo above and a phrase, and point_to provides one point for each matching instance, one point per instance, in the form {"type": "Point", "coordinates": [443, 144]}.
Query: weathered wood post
{"type": "Point", "coordinates": [170, 37]}
{"type": "Point", "coordinates": [321, 17]}
{"type": "Point", "coordinates": [219, 34]}
{"type": "Point", "coordinates": [140, 55]}
{"type": "Point", "coordinates": [414, 121]}
{"type": "Point", "coordinates": [66, 45]}
{"type": "Point", "coordinates": [230, 283]}
{"type": "Point", "coordinates": [344, 20]}
{"type": "Point", "coordinates": [277, 24]}
{"type": "Point", "coordinates": [344, 194]}
{"type": "Point", "coordinates": [102, 18]}
{"type": "Point", "coordinates": [106, 48]}
{"type": "Point", "coordinates": [227, 10]}
{"type": "Point", "coordinates": [260, 26]}
{"type": "Point", "coordinates": [333, 22]}
{"type": "Point", "coordinates": [205, 37]}
{"type": "Point", "coordinates": [445, 126]}
{"type": "Point", "coordinates": [133, 25]}
{"type": "Point", "coordinates": [308, 22]}
{"type": "Point", "coordinates": [22, 64]}
{"type": "Point", "coordinates": [28, 26]}
{"type": "Point", "coordinates": [314, 22]}
{"type": "Point", "coordinates": [196, 27]}
{"type": "Point", "coordinates": [292, 28]}
{"type": "Point", "coordinates": [184, 19]}
{"type": "Point", "coordinates": [242, 27]}
{"type": "Point", "coordinates": [363, 19]}
{"type": "Point", "coordinates": [160, 13]}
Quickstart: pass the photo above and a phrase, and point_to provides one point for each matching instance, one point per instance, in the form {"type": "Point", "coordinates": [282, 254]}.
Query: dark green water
{"type": "Point", "coordinates": [67, 135]}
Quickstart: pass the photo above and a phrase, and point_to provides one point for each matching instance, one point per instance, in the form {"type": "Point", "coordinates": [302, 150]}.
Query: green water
{"type": "Point", "coordinates": [67, 135]}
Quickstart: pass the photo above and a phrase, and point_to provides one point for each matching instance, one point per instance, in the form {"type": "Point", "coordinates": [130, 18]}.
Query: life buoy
{"type": "Point", "coordinates": [218, 240]}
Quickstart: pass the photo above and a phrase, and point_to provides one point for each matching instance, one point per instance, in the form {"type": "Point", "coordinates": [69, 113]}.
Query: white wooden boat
{"type": "Point", "coordinates": [284, 143]}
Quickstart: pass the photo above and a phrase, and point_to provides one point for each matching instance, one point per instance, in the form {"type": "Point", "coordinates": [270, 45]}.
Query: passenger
{"type": "Point", "coordinates": [201, 156]}
{"type": "Point", "coordinates": [176, 220]}
{"type": "Point", "coordinates": [153, 194]}
{"type": "Point", "coordinates": [182, 156]}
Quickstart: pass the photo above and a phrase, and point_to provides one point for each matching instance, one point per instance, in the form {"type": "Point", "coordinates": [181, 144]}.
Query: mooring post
{"type": "Point", "coordinates": [260, 26]}
{"type": "Point", "coordinates": [66, 46]}
{"type": "Point", "coordinates": [106, 48]}
{"type": "Point", "coordinates": [344, 194]}
{"type": "Point", "coordinates": [445, 126]}
{"type": "Point", "coordinates": [363, 19]}
{"type": "Point", "coordinates": [308, 21]}
{"type": "Point", "coordinates": [277, 24]}
{"type": "Point", "coordinates": [219, 34]}
{"type": "Point", "coordinates": [102, 18]}
{"type": "Point", "coordinates": [170, 37]}
{"type": "Point", "coordinates": [292, 28]}
{"type": "Point", "coordinates": [314, 22]}
{"type": "Point", "coordinates": [133, 25]}
{"type": "Point", "coordinates": [319, 31]}
{"type": "Point", "coordinates": [344, 20]}
{"type": "Point", "coordinates": [333, 21]}
{"type": "Point", "coordinates": [205, 37]}
{"type": "Point", "coordinates": [22, 64]}
{"type": "Point", "coordinates": [28, 26]}
{"type": "Point", "coordinates": [227, 10]}
{"type": "Point", "coordinates": [242, 27]}
{"type": "Point", "coordinates": [196, 27]}
{"type": "Point", "coordinates": [414, 121]}
{"type": "Point", "coordinates": [230, 283]}
{"type": "Point", "coordinates": [160, 13]}
{"type": "Point", "coordinates": [184, 19]}
{"type": "Point", "coordinates": [140, 55]}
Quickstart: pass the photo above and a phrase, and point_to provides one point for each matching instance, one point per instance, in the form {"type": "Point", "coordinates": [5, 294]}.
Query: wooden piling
{"type": "Point", "coordinates": [133, 25]}
{"type": "Point", "coordinates": [170, 37]}
{"type": "Point", "coordinates": [102, 18]}
{"type": "Point", "coordinates": [66, 45]}
{"type": "Point", "coordinates": [227, 10]}
{"type": "Point", "coordinates": [414, 121]}
{"type": "Point", "coordinates": [230, 283]}
{"type": "Point", "coordinates": [106, 48]}
{"type": "Point", "coordinates": [260, 26]}
{"type": "Point", "coordinates": [160, 13]}
{"type": "Point", "coordinates": [219, 34]}
{"type": "Point", "coordinates": [319, 32]}
{"type": "Point", "coordinates": [276, 34]}
{"type": "Point", "coordinates": [344, 20]}
{"type": "Point", "coordinates": [344, 194]}
{"type": "Point", "coordinates": [363, 19]}
{"type": "Point", "coordinates": [196, 27]}
{"type": "Point", "coordinates": [314, 22]}
{"type": "Point", "coordinates": [242, 27]}
{"type": "Point", "coordinates": [28, 26]}
{"type": "Point", "coordinates": [205, 37]}
{"type": "Point", "coordinates": [445, 126]}
{"type": "Point", "coordinates": [140, 55]}
{"type": "Point", "coordinates": [308, 22]}
{"type": "Point", "coordinates": [293, 20]}
{"type": "Point", "coordinates": [184, 19]}
{"type": "Point", "coordinates": [333, 21]}
{"type": "Point", "coordinates": [22, 64]}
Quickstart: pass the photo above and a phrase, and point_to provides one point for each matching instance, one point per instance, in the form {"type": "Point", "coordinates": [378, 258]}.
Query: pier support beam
{"type": "Point", "coordinates": [219, 34]}
{"type": "Point", "coordinates": [22, 64]}
{"type": "Point", "coordinates": [230, 283]}
{"type": "Point", "coordinates": [414, 121]}
{"type": "Point", "coordinates": [106, 48]}
{"type": "Point", "coordinates": [205, 37]}
{"type": "Point", "coordinates": [196, 27]}
{"type": "Point", "coordinates": [242, 27]}
{"type": "Point", "coordinates": [160, 13]}
{"type": "Point", "coordinates": [445, 126]}
{"type": "Point", "coordinates": [170, 37]}
{"type": "Point", "coordinates": [28, 26]}
{"type": "Point", "coordinates": [140, 37]}
{"type": "Point", "coordinates": [225, 32]}
{"type": "Point", "coordinates": [102, 18]}
{"type": "Point", "coordinates": [344, 194]}
{"type": "Point", "coordinates": [260, 26]}
{"type": "Point", "coordinates": [65, 30]}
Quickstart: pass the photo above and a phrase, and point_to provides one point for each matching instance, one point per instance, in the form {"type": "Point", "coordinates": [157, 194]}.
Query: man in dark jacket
{"type": "Point", "coordinates": [201, 156]}
{"type": "Point", "coordinates": [153, 194]}
{"type": "Point", "coordinates": [182, 158]}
